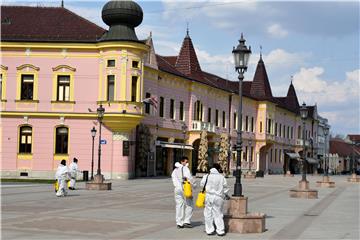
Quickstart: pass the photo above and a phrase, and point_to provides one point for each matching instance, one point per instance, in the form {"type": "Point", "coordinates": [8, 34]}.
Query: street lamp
{"type": "Point", "coordinates": [100, 113]}
{"type": "Point", "coordinates": [250, 155]}
{"type": "Point", "coordinates": [93, 133]}
{"type": "Point", "coordinates": [241, 58]}
{"type": "Point", "coordinates": [183, 127]}
{"type": "Point", "coordinates": [304, 114]}
{"type": "Point", "coordinates": [326, 159]}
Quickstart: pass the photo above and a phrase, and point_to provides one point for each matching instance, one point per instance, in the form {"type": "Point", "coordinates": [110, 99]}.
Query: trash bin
{"type": "Point", "coordinates": [85, 176]}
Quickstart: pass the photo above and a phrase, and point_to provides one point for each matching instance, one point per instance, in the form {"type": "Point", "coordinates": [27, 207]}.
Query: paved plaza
{"type": "Point", "coordinates": [145, 209]}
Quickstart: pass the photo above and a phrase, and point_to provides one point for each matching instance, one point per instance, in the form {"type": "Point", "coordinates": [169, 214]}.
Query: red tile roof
{"type": "Point", "coordinates": [343, 149]}
{"type": "Point", "coordinates": [187, 61]}
{"type": "Point", "coordinates": [44, 24]}
{"type": "Point", "coordinates": [260, 88]}
{"type": "Point", "coordinates": [354, 137]}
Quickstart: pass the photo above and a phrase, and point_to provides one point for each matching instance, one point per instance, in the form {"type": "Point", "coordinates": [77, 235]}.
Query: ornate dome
{"type": "Point", "coordinates": [122, 17]}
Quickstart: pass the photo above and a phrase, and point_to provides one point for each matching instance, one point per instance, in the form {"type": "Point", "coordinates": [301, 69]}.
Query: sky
{"type": "Point", "coordinates": [314, 43]}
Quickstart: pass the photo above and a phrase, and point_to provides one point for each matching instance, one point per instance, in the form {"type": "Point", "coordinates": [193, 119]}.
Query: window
{"type": "Point", "coordinates": [1, 86]}
{"type": "Point", "coordinates": [235, 121]}
{"type": "Point", "coordinates": [252, 124]}
{"type": "Point", "coordinates": [271, 155]}
{"type": "Point", "coordinates": [161, 110]}
{"type": "Point", "coordinates": [223, 119]}
{"type": "Point", "coordinates": [134, 83]}
{"type": "Point", "coordinates": [246, 154]}
{"type": "Point", "coordinates": [260, 126]}
{"type": "Point", "coordinates": [288, 132]}
{"type": "Point", "coordinates": [172, 112]}
{"type": "Point", "coordinates": [27, 87]}
{"type": "Point", "coordinates": [111, 63]}
{"type": "Point", "coordinates": [135, 64]}
{"type": "Point", "coordinates": [62, 140]}
{"type": "Point", "coordinates": [275, 155]}
{"type": "Point", "coordinates": [292, 132]}
{"type": "Point", "coordinates": [63, 89]}
{"type": "Point", "coordinates": [283, 132]}
{"type": "Point", "coordinates": [147, 104]}
{"type": "Point", "coordinates": [299, 132]}
{"type": "Point", "coordinates": [25, 140]}
{"type": "Point", "coordinates": [280, 130]}
{"type": "Point", "coordinates": [198, 111]}
{"type": "Point", "coordinates": [246, 123]}
{"type": "Point", "coordinates": [209, 115]}
{"type": "Point", "coordinates": [268, 130]}
{"type": "Point", "coordinates": [251, 153]}
{"type": "Point", "coordinates": [276, 129]}
{"type": "Point", "coordinates": [217, 117]}
{"type": "Point", "coordinates": [182, 111]}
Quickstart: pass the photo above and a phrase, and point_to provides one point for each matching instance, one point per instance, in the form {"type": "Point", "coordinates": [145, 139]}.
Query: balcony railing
{"type": "Point", "coordinates": [199, 126]}
{"type": "Point", "coordinates": [299, 142]}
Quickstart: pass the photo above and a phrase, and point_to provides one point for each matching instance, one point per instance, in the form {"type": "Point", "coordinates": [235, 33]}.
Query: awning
{"type": "Point", "coordinates": [293, 155]}
{"type": "Point", "coordinates": [173, 145]}
{"type": "Point", "coordinates": [312, 160]}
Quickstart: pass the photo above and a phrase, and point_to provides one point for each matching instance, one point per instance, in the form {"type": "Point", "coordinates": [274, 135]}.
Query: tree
{"type": "Point", "coordinates": [203, 165]}
{"type": "Point", "coordinates": [223, 153]}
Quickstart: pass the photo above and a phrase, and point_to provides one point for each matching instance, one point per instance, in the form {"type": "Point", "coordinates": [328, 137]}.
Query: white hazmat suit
{"type": "Point", "coordinates": [73, 173]}
{"type": "Point", "coordinates": [184, 206]}
{"type": "Point", "coordinates": [62, 174]}
{"type": "Point", "coordinates": [216, 189]}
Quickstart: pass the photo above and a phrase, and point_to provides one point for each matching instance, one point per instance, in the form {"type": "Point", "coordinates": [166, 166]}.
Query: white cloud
{"type": "Point", "coordinates": [313, 88]}
{"type": "Point", "coordinates": [277, 31]}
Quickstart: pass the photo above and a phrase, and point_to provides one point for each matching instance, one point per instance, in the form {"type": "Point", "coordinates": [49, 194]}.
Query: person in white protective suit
{"type": "Point", "coordinates": [184, 206]}
{"type": "Point", "coordinates": [62, 174]}
{"type": "Point", "coordinates": [216, 192]}
{"type": "Point", "coordinates": [74, 169]}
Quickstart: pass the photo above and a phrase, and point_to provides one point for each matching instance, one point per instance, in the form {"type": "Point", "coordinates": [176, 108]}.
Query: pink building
{"type": "Point", "coordinates": [55, 75]}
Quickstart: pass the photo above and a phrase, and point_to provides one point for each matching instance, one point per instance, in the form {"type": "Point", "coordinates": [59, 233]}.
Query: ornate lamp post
{"type": "Point", "coordinates": [326, 156]}
{"type": "Point", "coordinates": [326, 179]}
{"type": "Point", "coordinates": [304, 114]}
{"type": "Point", "coordinates": [250, 155]}
{"type": "Point", "coordinates": [239, 219]}
{"type": "Point", "coordinates": [100, 113]}
{"type": "Point", "coordinates": [183, 127]}
{"type": "Point", "coordinates": [303, 190]}
{"type": "Point", "coordinates": [241, 58]}
{"type": "Point", "coordinates": [93, 133]}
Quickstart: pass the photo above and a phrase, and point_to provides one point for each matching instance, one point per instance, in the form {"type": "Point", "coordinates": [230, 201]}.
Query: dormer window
{"type": "Point", "coordinates": [135, 64]}
{"type": "Point", "coordinates": [111, 63]}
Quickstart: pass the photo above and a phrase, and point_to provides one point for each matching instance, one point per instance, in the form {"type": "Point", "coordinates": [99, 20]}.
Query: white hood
{"type": "Point", "coordinates": [177, 164]}
{"type": "Point", "coordinates": [214, 170]}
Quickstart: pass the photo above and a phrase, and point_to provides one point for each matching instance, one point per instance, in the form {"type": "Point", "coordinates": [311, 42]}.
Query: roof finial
{"type": "Point", "coordinates": [62, 3]}
{"type": "Point", "coordinates": [260, 52]}
{"type": "Point", "coordinates": [187, 29]}
{"type": "Point", "coordinates": [292, 78]}
{"type": "Point", "coordinates": [150, 34]}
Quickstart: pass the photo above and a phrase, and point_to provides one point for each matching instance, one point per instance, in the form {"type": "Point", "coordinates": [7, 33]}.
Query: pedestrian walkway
{"type": "Point", "coordinates": [145, 209]}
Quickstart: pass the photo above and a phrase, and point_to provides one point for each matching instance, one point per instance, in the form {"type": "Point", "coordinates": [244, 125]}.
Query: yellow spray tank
{"type": "Point", "coordinates": [187, 189]}
{"type": "Point", "coordinates": [200, 201]}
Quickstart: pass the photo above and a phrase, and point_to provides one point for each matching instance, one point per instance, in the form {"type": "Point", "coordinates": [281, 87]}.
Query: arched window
{"type": "Point", "coordinates": [25, 140]}
{"type": "Point", "coordinates": [61, 140]}
{"type": "Point", "coordinates": [198, 111]}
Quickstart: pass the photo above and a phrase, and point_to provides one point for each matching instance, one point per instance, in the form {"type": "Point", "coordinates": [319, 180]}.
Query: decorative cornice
{"type": "Point", "coordinates": [28, 66]}
{"type": "Point", "coordinates": [64, 66]}
{"type": "Point", "coordinates": [4, 67]}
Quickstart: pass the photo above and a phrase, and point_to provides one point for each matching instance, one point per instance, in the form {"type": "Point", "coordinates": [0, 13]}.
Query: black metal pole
{"type": "Point", "coordinates": [237, 185]}
{"type": "Point", "coordinates": [92, 158]}
{"type": "Point", "coordinates": [353, 157]}
{"type": "Point", "coordinates": [303, 177]}
{"type": "Point", "coordinates": [99, 151]}
{"type": "Point", "coordinates": [326, 163]}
